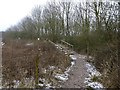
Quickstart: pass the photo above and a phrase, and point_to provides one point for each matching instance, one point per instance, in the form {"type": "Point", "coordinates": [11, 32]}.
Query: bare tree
{"type": "Point", "coordinates": [37, 18]}
{"type": "Point", "coordinates": [67, 7]}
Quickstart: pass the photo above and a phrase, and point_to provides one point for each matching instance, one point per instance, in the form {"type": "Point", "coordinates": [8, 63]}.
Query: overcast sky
{"type": "Point", "coordinates": [12, 11]}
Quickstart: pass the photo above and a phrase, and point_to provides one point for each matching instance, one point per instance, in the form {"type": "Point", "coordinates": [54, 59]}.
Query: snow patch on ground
{"type": "Point", "coordinates": [92, 72]}
{"type": "Point", "coordinates": [45, 83]}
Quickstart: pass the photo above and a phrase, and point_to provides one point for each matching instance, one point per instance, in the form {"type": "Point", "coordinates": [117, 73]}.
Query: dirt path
{"type": "Point", "coordinates": [78, 72]}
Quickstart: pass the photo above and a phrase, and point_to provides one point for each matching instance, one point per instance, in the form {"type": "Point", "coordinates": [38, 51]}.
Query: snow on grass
{"type": "Point", "coordinates": [49, 86]}
{"type": "Point", "coordinates": [72, 63]}
{"type": "Point", "coordinates": [44, 70]}
{"type": "Point", "coordinates": [65, 76]}
{"type": "Point", "coordinates": [82, 56]}
{"type": "Point", "coordinates": [52, 67]}
{"type": "Point", "coordinates": [29, 44]}
{"type": "Point", "coordinates": [2, 43]}
{"type": "Point", "coordinates": [73, 57]}
{"type": "Point", "coordinates": [17, 83]}
{"type": "Point", "coordinates": [29, 83]}
{"type": "Point", "coordinates": [38, 39]}
{"type": "Point", "coordinates": [40, 84]}
{"type": "Point", "coordinates": [62, 77]}
{"type": "Point", "coordinates": [95, 85]}
{"type": "Point", "coordinates": [24, 83]}
{"type": "Point", "coordinates": [92, 72]}
{"type": "Point", "coordinates": [59, 47]}
{"type": "Point", "coordinates": [69, 68]}
{"type": "Point", "coordinates": [45, 84]}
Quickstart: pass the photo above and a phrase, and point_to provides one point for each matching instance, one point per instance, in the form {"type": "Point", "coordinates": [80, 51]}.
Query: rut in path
{"type": "Point", "coordinates": [78, 72]}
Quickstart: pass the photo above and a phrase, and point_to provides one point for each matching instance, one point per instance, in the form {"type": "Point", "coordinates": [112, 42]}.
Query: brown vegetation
{"type": "Point", "coordinates": [19, 59]}
{"type": "Point", "coordinates": [106, 62]}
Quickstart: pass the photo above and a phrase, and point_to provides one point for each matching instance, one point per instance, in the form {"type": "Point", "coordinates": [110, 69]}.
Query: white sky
{"type": "Point", "coordinates": [12, 11]}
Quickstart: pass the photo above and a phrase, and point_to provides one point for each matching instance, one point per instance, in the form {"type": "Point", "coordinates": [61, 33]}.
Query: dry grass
{"type": "Point", "coordinates": [19, 59]}
{"type": "Point", "coordinates": [106, 62]}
